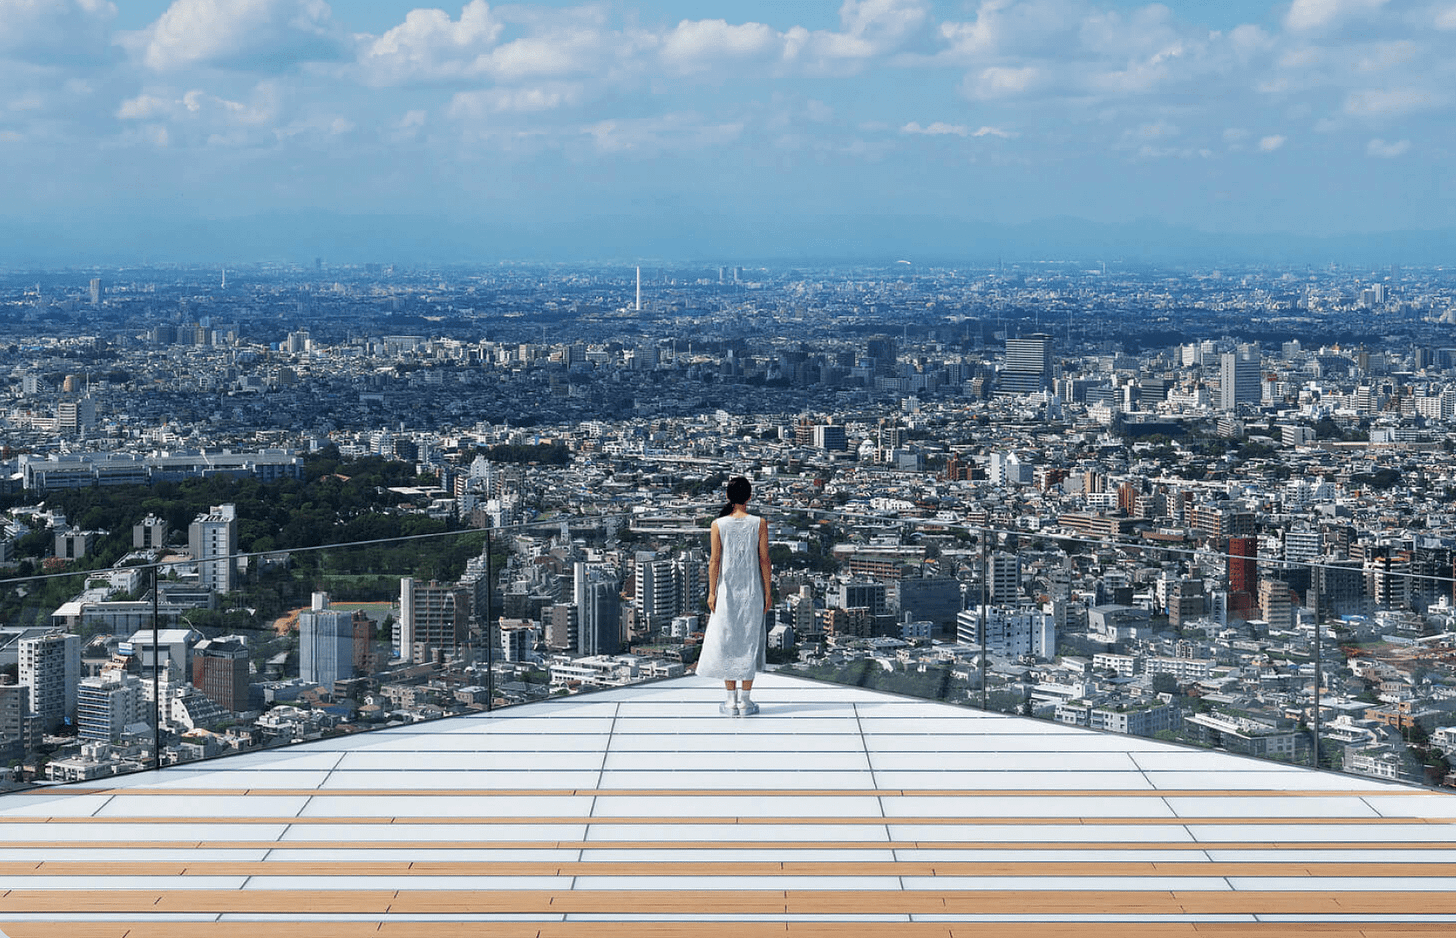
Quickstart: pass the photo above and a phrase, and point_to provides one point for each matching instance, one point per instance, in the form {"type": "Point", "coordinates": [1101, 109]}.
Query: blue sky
{"type": "Point", "coordinates": [1309, 117]}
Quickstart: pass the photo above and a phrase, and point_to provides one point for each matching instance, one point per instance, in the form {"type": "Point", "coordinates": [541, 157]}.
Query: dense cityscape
{"type": "Point", "coordinates": [1212, 506]}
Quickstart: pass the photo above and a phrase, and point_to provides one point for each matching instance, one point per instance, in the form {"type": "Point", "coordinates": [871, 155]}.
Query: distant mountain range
{"type": "Point", "coordinates": [707, 239]}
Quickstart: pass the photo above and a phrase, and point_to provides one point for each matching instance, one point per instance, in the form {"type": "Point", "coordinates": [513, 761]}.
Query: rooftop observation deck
{"type": "Point", "coordinates": [642, 811]}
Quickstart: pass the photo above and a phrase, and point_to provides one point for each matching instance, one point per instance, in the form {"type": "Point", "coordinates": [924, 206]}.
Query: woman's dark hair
{"type": "Point", "coordinates": [738, 494]}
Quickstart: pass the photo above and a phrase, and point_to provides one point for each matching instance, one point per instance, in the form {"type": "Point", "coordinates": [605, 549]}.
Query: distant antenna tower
{"type": "Point", "coordinates": [639, 289]}
{"type": "Point", "coordinates": [224, 278]}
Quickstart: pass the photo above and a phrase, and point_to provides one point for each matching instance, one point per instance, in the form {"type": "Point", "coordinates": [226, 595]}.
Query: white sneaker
{"type": "Point", "coordinates": [747, 708]}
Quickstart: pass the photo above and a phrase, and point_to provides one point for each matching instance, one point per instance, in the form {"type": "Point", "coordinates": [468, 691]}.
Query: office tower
{"type": "Point", "coordinates": [76, 415]}
{"type": "Point", "coordinates": [883, 350]}
{"type": "Point", "coordinates": [213, 541]}
{"type": "Point", "coordinates": [17, 729]}
{"type": "Point", "coordinates": [149, 532]}
{"type": "Point", "coordinates": [561, 627]}
{"type": "Point", "coordinates": [1238, 381]}
{"type": "Point", "coordinates": [1186, 603]}
{"type": "Point", "coordinates": [220, 672]}
{"type": "Point", "coordinates": [297, 342]}
{"type": "Point", "coordinates": [1243, 564]}
{"type": "Point", "coordinates": [857, 594]}
{"type": "Point", "coordinates": [1028, 365]}
{"type": "Point", "coordinates": [50, 665]}
{"type": "Point", "coordinates": [1276, 604]}
{"type": "Point", "coordinates": [934, 598]}
{"type": "Point", "coordinates": [597, 597]}
{"type": "Point", "coordinates": [325, 643]}
{"type": "Point", "coordinates": [431, 616]}
{"type": "Point", "coordinates": [1010, 633]}
{"type": "Point", "coordinates": [109, 703]}
{"type": "Point", "coordinates": [656, 591]}
{"type": "Point", "coordinates": [831, 438]}
{"type": "Point", "coordinates": [95, 292]}
{"type": "Point", "coordinates": [1004, 577]}
{"type": "Point", "coordinates": [365, 657]}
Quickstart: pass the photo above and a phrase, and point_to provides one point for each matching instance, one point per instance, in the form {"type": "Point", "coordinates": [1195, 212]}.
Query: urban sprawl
{"type": "Point", "coordinates": [1213, 506]}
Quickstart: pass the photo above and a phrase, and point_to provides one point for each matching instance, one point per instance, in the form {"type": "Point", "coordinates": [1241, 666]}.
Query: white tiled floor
{"type": "Point", "coordinates": [647, 789]}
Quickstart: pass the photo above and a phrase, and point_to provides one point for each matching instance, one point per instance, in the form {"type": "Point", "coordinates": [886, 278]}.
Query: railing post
{"type": "Point", "coordinates": [489, 644]}
{"type": "Point", "coordinates": [1318, 664]}
{"type": "Point", "coordinates": [985, 594]}
{"type": "Point", "coordinates": [156, 672]}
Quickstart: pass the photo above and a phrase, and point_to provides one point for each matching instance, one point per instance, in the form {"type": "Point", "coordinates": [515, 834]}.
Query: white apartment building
{"type": "Point", "coordinates": [50, 665]}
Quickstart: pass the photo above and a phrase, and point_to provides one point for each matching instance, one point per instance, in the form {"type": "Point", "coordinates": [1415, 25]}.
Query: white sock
{"type": "Point", "coordinates": [732, 700]}
{"type": "Point", "coordinates": [742, 696]}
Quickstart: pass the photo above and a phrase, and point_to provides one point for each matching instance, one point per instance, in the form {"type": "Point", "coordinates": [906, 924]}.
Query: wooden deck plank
{"type": "Point", "coordinates": [774, 821]}
{"type": "Point", "coordinates": [970, 846]}
{"type": "Point", "coordinates": [404, 869]}
{"type": "Point", "coordinates": [1037, 793]}
{"type": "Point", "coordinates": [555, 929]}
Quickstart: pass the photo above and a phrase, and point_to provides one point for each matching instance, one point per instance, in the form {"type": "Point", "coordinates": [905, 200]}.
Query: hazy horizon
{"type": "Point", "coordinates": [1304, 132]}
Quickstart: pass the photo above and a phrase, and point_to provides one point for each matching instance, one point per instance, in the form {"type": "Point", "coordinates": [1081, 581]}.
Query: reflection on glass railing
{"type": "Point", "coordinates": [176, 655]}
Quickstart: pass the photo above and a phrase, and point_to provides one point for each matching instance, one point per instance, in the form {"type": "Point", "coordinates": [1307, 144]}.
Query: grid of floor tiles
{"type": "Point", "coordinates": [643, 811]}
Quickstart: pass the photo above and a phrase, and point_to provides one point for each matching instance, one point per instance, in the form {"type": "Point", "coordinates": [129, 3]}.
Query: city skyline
{"type": "Point", "coordinates": [287, 128]}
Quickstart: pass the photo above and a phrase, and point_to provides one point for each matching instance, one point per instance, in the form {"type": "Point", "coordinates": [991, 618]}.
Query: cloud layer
{"type": "Point", "coordinates": [619, 107]}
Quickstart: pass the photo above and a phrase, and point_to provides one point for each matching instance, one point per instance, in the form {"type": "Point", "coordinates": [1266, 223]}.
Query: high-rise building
{"type": "Point", "coordinates": [1276, 605]}
{"type": "Point", "coordinates": [108, 703]}
{"type": "Point", "coordinates": [95, 292]}
{"type": "Point", "coordinates": [1238, 381]}
{"type": "Point", "coordinates": [598, 600]}
{"type": "Point", "coordinates": [50, 665]}
{"type": "Point", "coordinates": [220, 672]}
{"type": "Point", "coordinates": [1028, 365]}
{"type": "Point", "coordinates": [18, 731]}
{"type": "Point", "coordinates": [1004, 577]}
{"type": "Point", "coordinates": [149, 532]}
{"type": "Point", "coordinates": [1243, 564]}
{"type": "Point", "coordinates": [1186, 602]}
{"type": "Point", "coordinates": [830, 437]}
{"type": "Point", "coordinates": [213, 540]}
{"type": "Point", "coordinates": [325, 643]}
{"type": "Point", "coordinates": [431, 616]}
{"type": "Point", "coordinates": [656, 591]}
{"type": "Point", "coordinates": [1010, 632]}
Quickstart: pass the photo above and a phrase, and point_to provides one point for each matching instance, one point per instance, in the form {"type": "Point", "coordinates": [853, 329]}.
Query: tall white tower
{"type": "Point", "coordinates": [639, 289]}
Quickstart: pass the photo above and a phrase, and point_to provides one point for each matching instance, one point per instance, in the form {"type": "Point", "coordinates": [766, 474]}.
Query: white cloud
{"type": "Point", "coordinates": [1446, 19]}
{"type": "Point", "coordinates": [873, 27]}
{"type": "Point", "coordinates": [478, 104]}
{"type": "Point", "coordinates": [989, 131]}
{"type": "Point", "coordinates": [1271, 143]}
{"type": "Point", "coordinates": [1000, 82]}
{"type": "Point", "coordinates": [650, 135]}
{"type": "Point", "coordinates": [197, 111]}
{"type": "Point", "coordinates": [49, 30]}
{"type": "Point", "coordinates": [1383, 103]}
{"type": "Point", "coordinates": [266, 35]}
{"type": "Point", "coordinates": [1311, 15]}
{"type": "Point", "coordinates": [143, 107]}
{"type": "Point", "coordinates": [429, 45]}
{"type": "Point", "coordinates": [696, 45]}
{"type": "Point", "coordinates": [1380, 148]}
{"type": "Point", "coordinates": [937, 129]}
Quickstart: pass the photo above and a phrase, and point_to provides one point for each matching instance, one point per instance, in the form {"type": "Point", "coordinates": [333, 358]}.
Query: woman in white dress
{"type": "Point", "coordinates": [739, 595]}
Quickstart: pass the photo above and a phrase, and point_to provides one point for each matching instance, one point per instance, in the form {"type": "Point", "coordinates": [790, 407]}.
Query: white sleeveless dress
{"type": "Point", "coordinates": [733, 644]}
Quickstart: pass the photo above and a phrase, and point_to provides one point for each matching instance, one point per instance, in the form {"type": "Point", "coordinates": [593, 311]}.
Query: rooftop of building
{"type": "Point", "coordinates": [835, 810]}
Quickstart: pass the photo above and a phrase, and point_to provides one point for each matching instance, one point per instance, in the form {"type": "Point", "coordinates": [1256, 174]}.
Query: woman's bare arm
{"type": "Point", "coordinates": [764, 566]}
{"type": "Point", "coordinates": [715, 562]}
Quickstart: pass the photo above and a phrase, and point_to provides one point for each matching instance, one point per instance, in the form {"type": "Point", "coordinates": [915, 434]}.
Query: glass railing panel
{"type": "Point", "coordinates": [1180, 639]}
{"type": "Point", "coordinates": [118, 670]}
